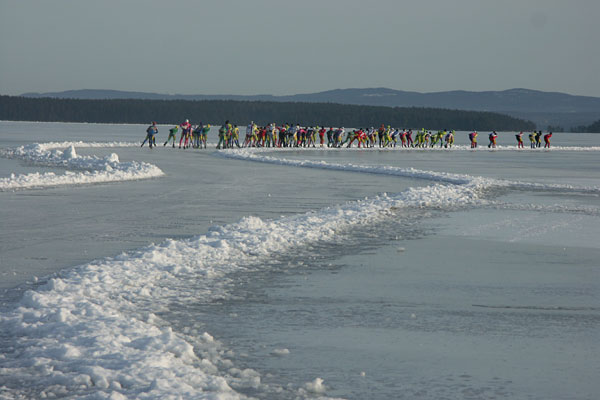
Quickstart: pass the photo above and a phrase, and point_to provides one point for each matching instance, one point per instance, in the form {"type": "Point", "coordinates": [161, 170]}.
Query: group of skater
{"type": "Point", "coordinates": [289, 135]}
{"type": "Point", "coordinates": [535, 138]}
{"type": "Point", "coordinates": [191, 135]}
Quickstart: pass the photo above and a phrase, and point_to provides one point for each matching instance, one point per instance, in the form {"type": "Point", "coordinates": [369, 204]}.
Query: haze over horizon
{"type": "Point", "coordinates": [281, 48]}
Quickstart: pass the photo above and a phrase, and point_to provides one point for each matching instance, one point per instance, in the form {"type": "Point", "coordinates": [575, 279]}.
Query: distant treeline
{"type": "Point", "coordinates": [242, 112]}
{"type": "Point", "coordinates": [593, 128]}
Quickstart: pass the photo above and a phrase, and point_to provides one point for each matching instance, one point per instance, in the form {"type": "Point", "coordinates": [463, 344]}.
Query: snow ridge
{"type": "Point", "coordinates": [256, 154]}
{"type": "Point", "coordinates": [91, 169]}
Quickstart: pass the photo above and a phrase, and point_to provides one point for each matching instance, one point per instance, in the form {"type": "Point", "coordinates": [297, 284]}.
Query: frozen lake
{"type": "Point", "coordinates": [296, 273]}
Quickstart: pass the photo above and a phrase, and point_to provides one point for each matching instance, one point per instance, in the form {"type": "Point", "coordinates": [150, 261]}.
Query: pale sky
{"type": "Point", "coordinates": [301, 46]}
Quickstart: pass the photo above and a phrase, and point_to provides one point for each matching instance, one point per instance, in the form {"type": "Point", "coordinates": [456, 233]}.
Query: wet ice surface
{"type": "Point", "coordinates": [500, 301]}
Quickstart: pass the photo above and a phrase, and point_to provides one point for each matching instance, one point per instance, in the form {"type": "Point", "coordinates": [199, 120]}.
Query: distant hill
{"type": "Point", "coordinates": [102, 94]}
{"type": "Point", "coordinates": [543, 108]}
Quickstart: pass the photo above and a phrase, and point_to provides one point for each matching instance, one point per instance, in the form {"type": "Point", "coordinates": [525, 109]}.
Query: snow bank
{"type": "Point", "coordinates": [62, 145]}
{"type": "Point", "coordinates": [92, 169]}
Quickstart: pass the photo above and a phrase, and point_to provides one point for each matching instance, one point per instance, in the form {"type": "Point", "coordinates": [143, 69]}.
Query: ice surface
{"type": "Point", "coordinates": [495, 293]}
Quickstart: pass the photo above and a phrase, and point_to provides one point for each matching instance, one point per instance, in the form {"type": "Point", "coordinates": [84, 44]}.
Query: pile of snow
{"type": "Point", "coordinates": [280, 352]}
{"type": "Point", "coordinates": [91, 169]}
{"type": "Point", "coordinates": [316, 386]}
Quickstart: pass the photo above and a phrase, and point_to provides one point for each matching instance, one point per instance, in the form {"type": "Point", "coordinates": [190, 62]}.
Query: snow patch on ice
{"type": "Point", "coordinates": [316, 386]}
{"type": "Point", "coordinates": [280, 352]}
